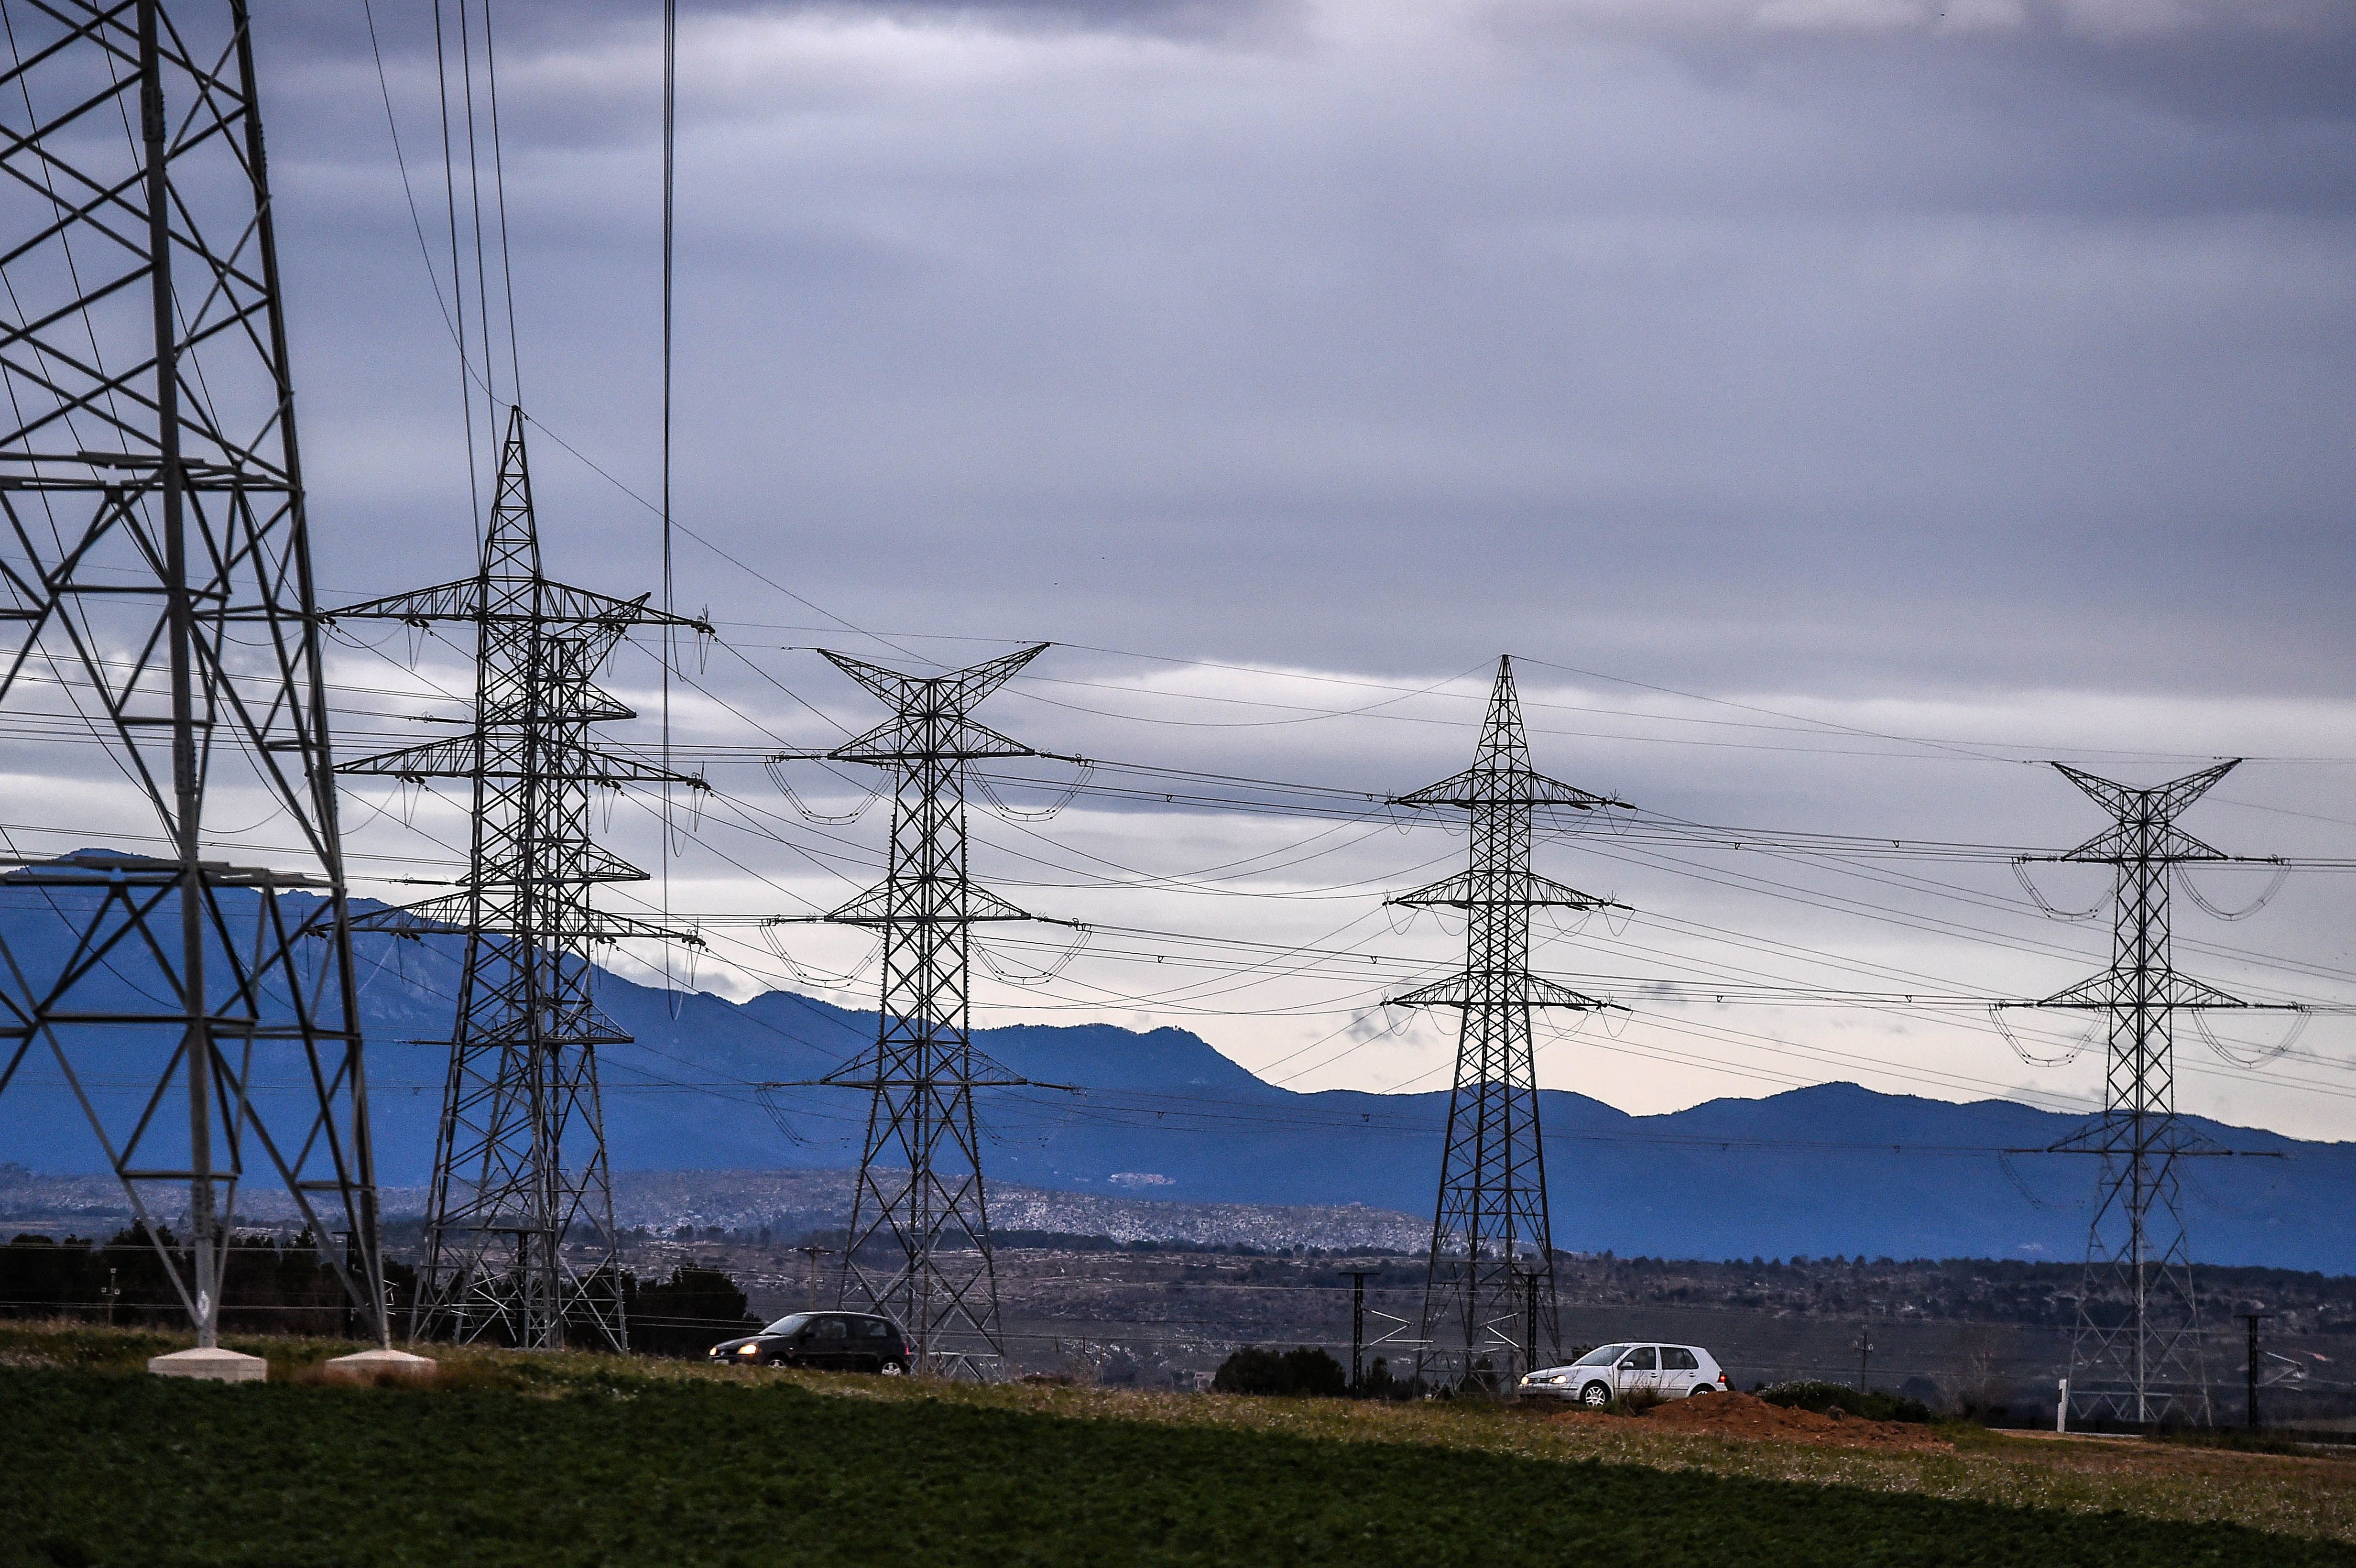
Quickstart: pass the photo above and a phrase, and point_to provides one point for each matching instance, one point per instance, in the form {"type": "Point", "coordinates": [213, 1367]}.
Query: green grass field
{"type": "Point", "coordinates": [599, 1463]}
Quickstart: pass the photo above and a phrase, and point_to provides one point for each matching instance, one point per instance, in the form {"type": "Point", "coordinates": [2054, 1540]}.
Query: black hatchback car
{"type": "Point", "coordinates": [828, 1341]}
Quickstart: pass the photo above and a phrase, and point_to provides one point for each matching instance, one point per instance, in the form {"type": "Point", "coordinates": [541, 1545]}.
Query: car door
{"type": "Point", "coordinates": [832, 1349]}
{"type": "Point", "coordinates": [1679, 1370]}
{"type": "Point", "coordinates": [1639, 1369]}
{"type": "Point", "coordinates": [800, 1348]}
{"type": "Point", "coordinates": [870, 1339]}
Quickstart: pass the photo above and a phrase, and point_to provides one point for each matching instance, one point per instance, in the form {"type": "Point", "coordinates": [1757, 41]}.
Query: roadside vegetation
{"type": "Point", "coordinates": [280, 1285]}
{"type": "Point", "coordinates": [582, 1459]}
{"type": "Point", "coordinates": [1304, 1372]}
{"type": "Point", "coordinates": [2242, 1440]}
{"type": "Point", "coordinates": [1872, 1404]}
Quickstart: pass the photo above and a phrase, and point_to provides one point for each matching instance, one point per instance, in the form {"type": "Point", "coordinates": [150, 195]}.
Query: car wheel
{"type": "Point", "coordinates": [1700, 1389]}
{"type": "Point", "coordinates": [1595, 1396]}
{"type": "Point", "coordinates": [893, 1369]}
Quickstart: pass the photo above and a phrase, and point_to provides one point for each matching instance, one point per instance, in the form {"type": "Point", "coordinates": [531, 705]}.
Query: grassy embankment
{"type": "Point", "coordinates": [586, 1459]}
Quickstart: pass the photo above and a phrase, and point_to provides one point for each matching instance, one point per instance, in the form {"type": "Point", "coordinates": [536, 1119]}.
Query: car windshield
{"type": "Point", "coordinates": [1602, 1356]}
{"type": "Point", "coordinates": [788, 1324]}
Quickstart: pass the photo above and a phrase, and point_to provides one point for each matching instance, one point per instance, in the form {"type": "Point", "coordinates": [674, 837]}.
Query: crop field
{"type": "Point", "coordinates": [587, 1459]}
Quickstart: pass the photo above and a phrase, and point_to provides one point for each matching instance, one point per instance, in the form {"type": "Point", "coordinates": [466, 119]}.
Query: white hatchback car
{"type": "Point", "coordinates": [1610, 1372]}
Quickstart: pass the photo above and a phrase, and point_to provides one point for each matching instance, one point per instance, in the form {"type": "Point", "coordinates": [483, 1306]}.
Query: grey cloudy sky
{"type": "Point", "coordinates": [1978, 373]}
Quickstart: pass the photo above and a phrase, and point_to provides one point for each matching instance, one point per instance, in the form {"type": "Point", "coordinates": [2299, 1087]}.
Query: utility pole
{"type": "Point", "coordinates": [1357, 1331]}
{"type": "Point", "coordinates": [1864, 1351]}
{"type": "Point", "coordinates": [2137, 1354]}
{"type": "Point", "coordinates": [2250, 1373]}
{"type": "Point", "coordinates": [920, 1181]}
{"type": "Point", "coordinates": [158, 598]}
{"type": "Point", "coordinates": [812, 1254]}
{"type": "Point", "coordinates": [520, 1168]}
{"type": "Point", "coordinates": [1490, 1221]}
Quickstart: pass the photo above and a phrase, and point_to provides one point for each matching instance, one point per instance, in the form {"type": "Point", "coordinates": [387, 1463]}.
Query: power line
{"type": "Point", "coordinates": [670, 235]}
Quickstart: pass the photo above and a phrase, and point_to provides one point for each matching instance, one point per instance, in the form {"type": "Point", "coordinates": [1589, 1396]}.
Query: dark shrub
{"type": "Point", "coordinates": [1300, 1371]}
{"type": "Point", "coordinates": [687, 1314]}
{"type": "Point", "coordinates": [1875, 1404]}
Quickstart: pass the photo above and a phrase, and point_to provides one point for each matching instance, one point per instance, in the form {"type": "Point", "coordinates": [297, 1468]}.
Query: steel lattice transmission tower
{"type": "Point", "coordinates": [2137, 1351]}
{"type": "Point", "coordinates": [1490, 1231]}
{"type": "Point", "coordinates": [920, 1183]}
{"type": "Point", "coordinates": [159, 600]}
{"type": "Point", "coordinates": [519, 1169]}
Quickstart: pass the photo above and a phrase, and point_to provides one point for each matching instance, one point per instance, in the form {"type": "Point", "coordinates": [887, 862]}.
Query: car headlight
{"type": "Point", "coordinates": [748, 1349]}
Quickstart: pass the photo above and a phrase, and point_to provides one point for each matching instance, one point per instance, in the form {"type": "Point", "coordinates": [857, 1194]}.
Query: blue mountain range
{"type": "Point", "coordinates": [1830, 1170]}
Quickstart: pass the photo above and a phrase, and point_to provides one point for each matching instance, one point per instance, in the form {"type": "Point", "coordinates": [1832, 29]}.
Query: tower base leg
{"type": "Point", "coordinates": [381, 1367]}
{"type": "Point", "coordinates": [215, 1365]}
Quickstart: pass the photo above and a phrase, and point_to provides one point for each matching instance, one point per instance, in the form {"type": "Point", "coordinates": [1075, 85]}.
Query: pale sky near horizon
{"type": "Point", "coordinates": [1839, 407]}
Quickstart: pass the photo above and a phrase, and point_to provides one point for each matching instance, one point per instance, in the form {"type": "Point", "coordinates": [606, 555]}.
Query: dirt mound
{"type": "Point", "coordinates": [1743, 1415]}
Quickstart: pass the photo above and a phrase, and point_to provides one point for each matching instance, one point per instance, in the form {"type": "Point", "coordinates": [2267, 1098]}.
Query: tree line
{"type": "Point", "coordinates": [283, 1285]}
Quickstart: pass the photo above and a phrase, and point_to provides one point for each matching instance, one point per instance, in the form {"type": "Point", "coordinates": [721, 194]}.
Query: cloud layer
{"type": "Point", "coordinates": [1863, 368]}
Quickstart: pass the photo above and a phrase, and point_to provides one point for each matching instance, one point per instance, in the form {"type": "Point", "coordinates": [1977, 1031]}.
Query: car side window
{"type": "Point", "coordinates": [832, 1330]}
{"type": "Point", "coordinates": [1677, 1358]}
{"type": "Point", "coordinates": [1640, 1360]}
{"type": "Point", "coordinates": [874, 1329]}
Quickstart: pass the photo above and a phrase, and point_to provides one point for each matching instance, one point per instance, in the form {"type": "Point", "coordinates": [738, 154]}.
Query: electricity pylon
{"type": "Point", "coordinates": [920, 1183]}
{"type": "Point", "coordinates": [2137, 1354]}
{"type": "Point", "coordinates": [160, 602]}
{"type": "Point", "coordinates": [519, 1168]}
{"type": "Point", "coordinates": [1492, 1243]}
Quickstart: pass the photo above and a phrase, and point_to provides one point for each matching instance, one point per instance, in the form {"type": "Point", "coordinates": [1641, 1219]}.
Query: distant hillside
{"type": "Point", "coordinates": [1830, 1169]}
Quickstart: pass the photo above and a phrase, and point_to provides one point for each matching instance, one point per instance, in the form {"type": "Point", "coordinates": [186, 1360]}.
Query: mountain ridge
{"type": "Point", "coordinates": [1824, 1169]}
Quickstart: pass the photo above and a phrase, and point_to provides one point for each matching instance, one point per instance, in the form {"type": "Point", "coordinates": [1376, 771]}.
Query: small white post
{"type": "Point", "coordinates": [2062, 1410]}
